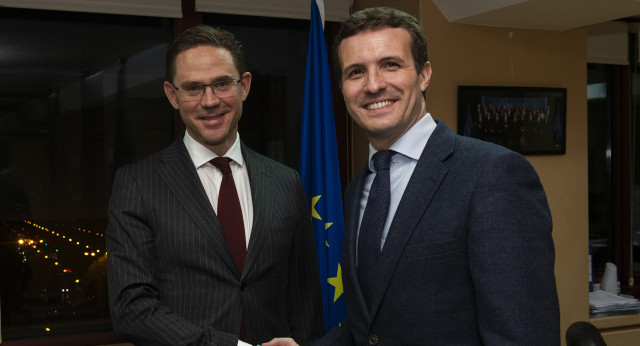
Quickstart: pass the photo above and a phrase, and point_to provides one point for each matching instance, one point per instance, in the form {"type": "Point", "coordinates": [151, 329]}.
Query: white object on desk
{"type": "Point", "coordinates": [603, 302]}
{"type": "Point", "coordinates": [610, 279]}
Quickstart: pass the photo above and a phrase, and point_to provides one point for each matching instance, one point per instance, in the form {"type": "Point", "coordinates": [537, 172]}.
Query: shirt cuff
{"type": "Point", "coordinates": [242, 343]}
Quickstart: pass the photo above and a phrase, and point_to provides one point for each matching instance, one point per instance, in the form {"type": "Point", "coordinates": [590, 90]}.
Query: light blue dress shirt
{"type": "Point", "coordinates": [408, 149]}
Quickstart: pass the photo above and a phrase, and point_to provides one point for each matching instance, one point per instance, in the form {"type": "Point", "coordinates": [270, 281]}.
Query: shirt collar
{"type": "Point", "coordinates": [200, 154]}
{"type": "Point", "coordinates": [412, 143]}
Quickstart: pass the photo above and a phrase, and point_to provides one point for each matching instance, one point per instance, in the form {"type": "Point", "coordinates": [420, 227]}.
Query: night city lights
{"type": "Point", "coordinates": [59, 276]}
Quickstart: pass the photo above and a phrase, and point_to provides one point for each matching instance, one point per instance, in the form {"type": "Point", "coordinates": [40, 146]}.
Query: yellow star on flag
{"type": "Point", "coordinates": [336, 282]}
{"type": "Point", "coordinates": [314, 213]}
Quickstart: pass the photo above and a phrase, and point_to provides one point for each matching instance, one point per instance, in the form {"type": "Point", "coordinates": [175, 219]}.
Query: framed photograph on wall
{"type": "Point", "coordinates": [529, 120]}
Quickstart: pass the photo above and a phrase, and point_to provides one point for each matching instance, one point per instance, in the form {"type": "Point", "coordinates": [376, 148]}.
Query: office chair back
{"type": "Point", "coordinates": [584, 334]}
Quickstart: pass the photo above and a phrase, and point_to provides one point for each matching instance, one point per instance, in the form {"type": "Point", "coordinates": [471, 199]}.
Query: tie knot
{"type": "Point", "coordinates": [382, 160]}
{"type": "Point", "coordinates": [222, 163]}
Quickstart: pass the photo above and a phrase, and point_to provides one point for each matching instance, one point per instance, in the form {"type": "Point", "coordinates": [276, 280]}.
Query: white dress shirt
{"type": "Point", "coordinates": [211, 177]}
{"type": "Point", "coordinates": [408, 149]}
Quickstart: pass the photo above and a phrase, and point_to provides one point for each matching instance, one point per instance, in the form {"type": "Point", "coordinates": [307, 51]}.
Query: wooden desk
{"type": "Point", "coordinates": [622, 330]}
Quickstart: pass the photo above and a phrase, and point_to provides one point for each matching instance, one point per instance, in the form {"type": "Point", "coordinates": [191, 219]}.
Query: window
{"type": "Point", "coordinates": [276, 53]}
{"type": "Point", "coordinates": [599, 152]}
{"type": "Point", "coordinates": [80, 95]}
{"type": "Point", "coordinates": [614, 174]}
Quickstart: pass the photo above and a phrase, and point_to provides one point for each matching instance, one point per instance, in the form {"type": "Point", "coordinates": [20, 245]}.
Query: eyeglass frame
{"type": "Point", "coordinates": [211, 85]}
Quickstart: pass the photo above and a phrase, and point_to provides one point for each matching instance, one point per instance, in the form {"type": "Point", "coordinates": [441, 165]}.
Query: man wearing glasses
{"type": "Point", "coordinates": [210, 243]}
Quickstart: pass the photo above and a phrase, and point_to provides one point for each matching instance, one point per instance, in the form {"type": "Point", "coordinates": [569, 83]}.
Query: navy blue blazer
{"type": "Point", "coordinates": [469, 259]}
{"type": "Point", "coordinates": [172, 280]}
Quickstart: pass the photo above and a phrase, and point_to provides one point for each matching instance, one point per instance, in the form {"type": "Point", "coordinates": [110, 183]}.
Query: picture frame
{"type": "Point", "coordinates": [528, 120]}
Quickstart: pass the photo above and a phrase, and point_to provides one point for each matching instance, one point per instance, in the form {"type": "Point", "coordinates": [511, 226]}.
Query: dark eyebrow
{"type": "Point", "coordinates": [223, 79]}
{"type": "Point", "coordinates": [393, 59]}
{"type": "Point", "coordinates": [385, 59]}
{"type": "Point", "coordinates": [214, 81]}
{"type": "Point", "coordinates": [352, 66]}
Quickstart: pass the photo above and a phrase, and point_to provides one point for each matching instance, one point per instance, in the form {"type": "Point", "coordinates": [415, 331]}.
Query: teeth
{"type": "Point", "coordinates": [378, 105]}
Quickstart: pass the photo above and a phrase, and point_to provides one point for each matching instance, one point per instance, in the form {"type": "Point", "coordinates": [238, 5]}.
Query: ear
{"type": "Point", "coordinates": [245, 84]}
{"type": "Point", "coordinates": [170, 91]}
{"type": "Point", "coordinates": [425, 76]}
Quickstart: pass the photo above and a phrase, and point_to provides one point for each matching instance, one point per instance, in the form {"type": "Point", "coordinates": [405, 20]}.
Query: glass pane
{"type": "Point", "coordinates": [635, 236]}
{"type": "Point", "coordinates": [276, 52]}
{"type": "Point", "coordinates": [599, 152]}
{"type": "Point", "coordinates": [80, 95]}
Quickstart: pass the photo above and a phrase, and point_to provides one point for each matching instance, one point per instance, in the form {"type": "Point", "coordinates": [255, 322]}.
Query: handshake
{"type": "Point", "coordinates": [280, 342]}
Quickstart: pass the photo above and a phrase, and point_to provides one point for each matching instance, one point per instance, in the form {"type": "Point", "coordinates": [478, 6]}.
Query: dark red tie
{"type": "Point", "coordinates": [230, 213]}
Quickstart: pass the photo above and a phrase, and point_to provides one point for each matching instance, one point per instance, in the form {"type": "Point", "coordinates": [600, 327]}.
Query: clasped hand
{"type": "Point", "coordinates": [280, 342]}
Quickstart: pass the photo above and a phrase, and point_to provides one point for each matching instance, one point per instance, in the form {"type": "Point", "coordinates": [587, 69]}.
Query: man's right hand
{"type": "Point", "coordinates": [281, 342]}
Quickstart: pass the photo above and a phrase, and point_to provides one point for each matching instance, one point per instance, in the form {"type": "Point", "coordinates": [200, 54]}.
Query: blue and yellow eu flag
{"type": "Point", "coordinates": [320, 171]}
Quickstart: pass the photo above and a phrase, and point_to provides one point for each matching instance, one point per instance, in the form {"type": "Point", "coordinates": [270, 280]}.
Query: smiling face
{"type": "Point", "coordinates": [382, 90]}
{"type": "Point", "coordinates": [212, 121]}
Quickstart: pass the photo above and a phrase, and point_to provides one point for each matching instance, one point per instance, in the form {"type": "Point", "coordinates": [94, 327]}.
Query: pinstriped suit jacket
{"type": "Point", "coordinates": [469, 259]}
{"type": "Point", "coordinates": [172, 280]}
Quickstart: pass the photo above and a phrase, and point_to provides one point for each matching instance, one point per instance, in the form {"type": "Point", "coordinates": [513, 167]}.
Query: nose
{"type": "Point", "coordinates": [374, 81]}
{"type": "Point", "coordinates": [209, 98]}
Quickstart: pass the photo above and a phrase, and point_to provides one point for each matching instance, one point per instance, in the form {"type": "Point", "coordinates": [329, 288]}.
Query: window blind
{"type": "Point", "coordinates": [152, 8]}
{"type": "Point", "coordinates": [335, 10]}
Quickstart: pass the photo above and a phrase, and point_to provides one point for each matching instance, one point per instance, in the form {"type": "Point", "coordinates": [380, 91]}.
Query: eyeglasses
{"type": "Point", "coordinates": [195, 91]}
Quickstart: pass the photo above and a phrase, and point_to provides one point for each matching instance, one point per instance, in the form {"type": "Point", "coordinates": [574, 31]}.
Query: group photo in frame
{"type": "Point", "coordinates": [528, 120]}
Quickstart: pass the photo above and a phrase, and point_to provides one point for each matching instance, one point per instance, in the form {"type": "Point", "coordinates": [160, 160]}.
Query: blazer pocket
{"type": "Point", "coordinates": [280, 231]}
{"type": "Point", "coordinates": [432, 249]}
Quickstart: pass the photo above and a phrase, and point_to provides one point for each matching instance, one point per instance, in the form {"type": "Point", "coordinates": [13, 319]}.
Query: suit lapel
{"type": "Point", "coordinates": [350, 258]}
{"type": "Point", "coordinates": [180, 175]}
{"type": "Point", "coordinates": [261, 194]}
{"type": "Point", "coordinates": [423, 184]}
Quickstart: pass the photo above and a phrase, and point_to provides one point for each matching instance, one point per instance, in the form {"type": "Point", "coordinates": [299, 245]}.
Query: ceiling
{"type": "Point", "coordinates": [557, 15]}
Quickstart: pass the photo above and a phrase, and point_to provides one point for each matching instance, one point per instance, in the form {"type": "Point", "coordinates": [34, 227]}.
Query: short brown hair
{"type": "Point", "coordinates": [378, 18]}
{"type": "Point", "coordinates": [204, 35]}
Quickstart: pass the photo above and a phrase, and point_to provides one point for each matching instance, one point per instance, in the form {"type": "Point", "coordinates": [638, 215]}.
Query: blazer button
{"type": "Point", "coordinates": [243, 287]}
{"type": "Point", "coordinates": [373, 339]}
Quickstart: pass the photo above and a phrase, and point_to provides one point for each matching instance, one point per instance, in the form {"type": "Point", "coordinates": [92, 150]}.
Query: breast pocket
{"type": "Point", "coordinates": [439, 248]}
{"type": "Point", "coordinates": [280, 232]}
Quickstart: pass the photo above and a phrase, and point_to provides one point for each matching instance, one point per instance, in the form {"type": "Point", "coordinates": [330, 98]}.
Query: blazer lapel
{"type": "Point", "coordinates": [350, 258]}
{"type": "Point", "coordinates": [261, 194]}
{"type": "Point", "coordinates": [423, 184]}
{"type": "Point", "coordinates": [180, 175]}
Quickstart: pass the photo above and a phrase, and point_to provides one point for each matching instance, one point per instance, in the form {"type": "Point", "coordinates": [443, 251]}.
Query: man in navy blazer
{"type": "Point", "coordinates": [171, 273]}
{"type": "Point", "coordinates": [466, 253]}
